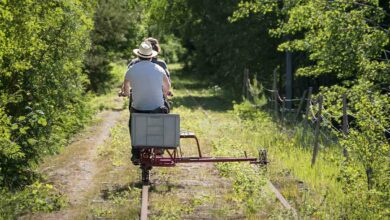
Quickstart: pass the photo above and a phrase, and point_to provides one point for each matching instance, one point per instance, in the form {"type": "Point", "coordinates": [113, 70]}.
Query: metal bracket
{"type": "Point", "coordinates": [263, 158]}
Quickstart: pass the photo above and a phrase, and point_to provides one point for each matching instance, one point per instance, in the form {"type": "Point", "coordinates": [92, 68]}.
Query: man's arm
{"type": "Point", "coordinates": [126, 88]}
{"type": "Point", "coordinates": [166, 85]}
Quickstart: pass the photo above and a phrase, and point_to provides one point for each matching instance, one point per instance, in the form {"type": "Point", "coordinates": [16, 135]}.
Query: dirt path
{"type": "Point", "coordinates": [73, 170]}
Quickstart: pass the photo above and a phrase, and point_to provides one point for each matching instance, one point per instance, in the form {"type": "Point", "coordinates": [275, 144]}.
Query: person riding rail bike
{"type": "Point", "coordinates": [149, 84]}
{"type": "Point", "coordinates": [156, 47]}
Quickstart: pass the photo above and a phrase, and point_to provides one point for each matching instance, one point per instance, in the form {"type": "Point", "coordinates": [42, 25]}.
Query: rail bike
{"type": "Point", "coordinates": [153, 134]}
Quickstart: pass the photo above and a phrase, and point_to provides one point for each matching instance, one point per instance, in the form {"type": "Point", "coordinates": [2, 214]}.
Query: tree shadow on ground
{"type": "Point", "coordinates": [191, 85]}
{"type": "Point", "coordinates": [219, 102]}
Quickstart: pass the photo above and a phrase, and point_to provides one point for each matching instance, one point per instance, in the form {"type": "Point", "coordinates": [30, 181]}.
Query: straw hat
{"type": "Point", "coordinates": [145, 50]}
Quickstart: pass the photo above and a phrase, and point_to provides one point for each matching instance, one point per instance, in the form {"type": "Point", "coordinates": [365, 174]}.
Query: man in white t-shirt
{"type": "Point", "coordinates": [149, 85]}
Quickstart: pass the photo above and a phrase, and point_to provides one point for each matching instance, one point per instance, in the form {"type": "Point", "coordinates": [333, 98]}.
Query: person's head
{"type": "Point", "coordinates": [145, 51]}
{"type": "Point", "coordinates": [154, 43]}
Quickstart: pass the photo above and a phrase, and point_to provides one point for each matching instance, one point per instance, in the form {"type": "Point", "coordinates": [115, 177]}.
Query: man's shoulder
{"type": "Point", "coordinates": [161, 63]}
{"type": "Point", "coordinates": [139, 64]}
{"type": "Point", "coordinates": [145, 66]}
{"type": "Point", "coordinates": [132, 62]}
{"type": "Point", "coordinates": [158, 67]}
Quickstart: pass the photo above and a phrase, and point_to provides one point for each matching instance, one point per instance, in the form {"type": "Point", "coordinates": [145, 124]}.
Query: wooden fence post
{"type": "Point", "coordinates": [317, 131]}
{"type": "Point", "coordinates": [345, 122]}
{"type": "Point", "coordinates": [275, 91]}
{"type": "Point", "coordinates": [300, 105]}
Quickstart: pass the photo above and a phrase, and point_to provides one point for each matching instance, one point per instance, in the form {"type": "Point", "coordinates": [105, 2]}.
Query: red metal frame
{"type": "Point", "coordinates": [151, 157]}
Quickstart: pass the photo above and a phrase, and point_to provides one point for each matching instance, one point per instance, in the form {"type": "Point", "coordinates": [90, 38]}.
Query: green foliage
{"type": "Point", "coordinates": [248, 186]}
{"type": "Point", "coordinates": [365, 173]}
{"type": "Point", "coordinates": [36, 197]}
{"type": "Point", "coordinates": [218, 50]}
{"type": "Point", "coordinates": [172, 49]}
{"type": "Point", "coordinates": [41, 83]}
{"type": "Point", "coordinates": [163, 20]}
{"type": "Point", "coordinates": [248, 45]}
{"type": "Point", "coordinates": [256, 91]}
{"type": "Point", "coordinates": [248, 8]}
{"type": "Point", "coordinates": [347, 40]}
{"type": "Point", "coordinates": [341, 38]}
{"type": "Point", "coordinates": [117, 30]}
{"type": "Point", "coordinates": [247, 111]}
{"type": "Point", "coordinates": [336, 188]}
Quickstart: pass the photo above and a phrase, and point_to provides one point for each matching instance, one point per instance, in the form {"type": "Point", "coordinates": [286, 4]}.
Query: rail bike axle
{"type": "Point", "coordinates": [152, 156]}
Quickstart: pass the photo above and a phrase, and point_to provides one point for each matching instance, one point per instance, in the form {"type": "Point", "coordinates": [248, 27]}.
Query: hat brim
{"type": "Point", "coordinates": [136, 52]}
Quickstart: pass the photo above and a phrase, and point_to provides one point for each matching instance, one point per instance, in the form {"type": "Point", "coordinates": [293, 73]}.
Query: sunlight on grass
{"type": "Point", "coordinates": [175, 67]}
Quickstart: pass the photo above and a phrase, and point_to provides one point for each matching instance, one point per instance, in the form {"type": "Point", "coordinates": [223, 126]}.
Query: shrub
{"type": "Point", "coordinates": [42, 46]}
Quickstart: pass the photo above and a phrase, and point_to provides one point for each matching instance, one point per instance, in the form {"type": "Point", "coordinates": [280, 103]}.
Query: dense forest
{"type": "Point", "coordinates": [56, 55]}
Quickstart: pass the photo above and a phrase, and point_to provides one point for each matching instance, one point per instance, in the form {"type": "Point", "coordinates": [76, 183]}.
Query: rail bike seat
{"type": "Point", "coordinates": [155, 130]}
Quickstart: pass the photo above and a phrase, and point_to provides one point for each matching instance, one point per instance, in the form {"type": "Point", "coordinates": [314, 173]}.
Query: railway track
{"type": "Point", "coordinates": [144, 202]}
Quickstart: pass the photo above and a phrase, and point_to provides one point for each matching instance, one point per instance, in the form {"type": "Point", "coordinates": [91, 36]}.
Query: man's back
{"type": "Point", "coordinates": [159, 62]}
{"type": "Point", "coordinates": [146, 81]}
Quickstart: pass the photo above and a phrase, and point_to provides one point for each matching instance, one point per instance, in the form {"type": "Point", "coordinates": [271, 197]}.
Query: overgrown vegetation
{"type": "Point", "coordinates": [350, 41]}
{"type": "Point", "coordinates": [41, 100]}
{"type": "Point", "coordinates": [52, 52]}
{"type": "Point", "coordinates": [318, 191]}
{"type": "Point", "coordinates": [35, 197]}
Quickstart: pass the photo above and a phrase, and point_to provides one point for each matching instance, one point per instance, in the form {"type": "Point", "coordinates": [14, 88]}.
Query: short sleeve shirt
{"type": "Point", "coordinates": [154, 60]}
{"type": "Point", "coordinates": [146, 81]}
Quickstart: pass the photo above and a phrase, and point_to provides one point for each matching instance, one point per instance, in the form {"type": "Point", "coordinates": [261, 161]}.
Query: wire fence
{"type": "Point", "coordinates": [316, 117]}
{"type": "Point", "coordinates": [325, 124]}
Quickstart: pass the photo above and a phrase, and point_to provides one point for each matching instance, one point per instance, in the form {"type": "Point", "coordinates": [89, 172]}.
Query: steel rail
{"type": "Point", "coordinates": [144, 202]}
{"type": "Point", "coordinates": [282, 200]}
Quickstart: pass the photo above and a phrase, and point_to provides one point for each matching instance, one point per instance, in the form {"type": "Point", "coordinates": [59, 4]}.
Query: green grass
{"type": "Point", "coordinates": [314, 191]}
